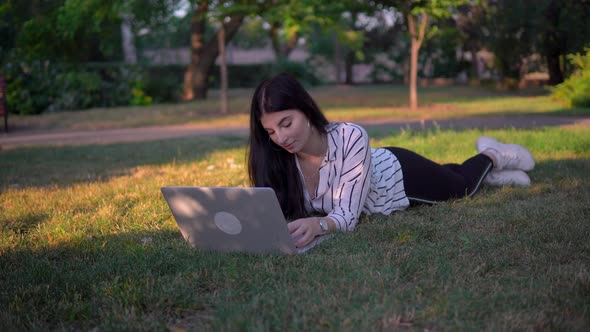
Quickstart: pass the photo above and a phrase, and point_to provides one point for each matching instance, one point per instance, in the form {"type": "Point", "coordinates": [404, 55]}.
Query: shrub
{"type": "Point", "coordinates": [248, 76]}
{"type": "Point", "coordinates": [77, 90]}
{"type": "Point", "coordinates": [163, 82]}
{"type": "Point", "coordinates": [138, 95]}
{"type": "Point", "coordinates": [575, 90]}
{"type": "Point", "coordinates": [48, 87]}
{"type": "Point", "coordinates": [299, 70]}
{"type": "Point", "coordinates": [29, 88]}
{"type": "Point", "coordinates": [37, 87]}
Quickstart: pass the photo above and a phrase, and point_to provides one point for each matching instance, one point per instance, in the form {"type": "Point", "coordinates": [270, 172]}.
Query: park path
{"type": "Point", "coordinates": [18, 139]}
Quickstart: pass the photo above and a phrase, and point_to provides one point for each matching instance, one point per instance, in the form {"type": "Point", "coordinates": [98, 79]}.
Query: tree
{"type": "Point", "coordinates": [289, 20]}
{"type": "Point", "coordinates": [76, 30]}
{"type": "Point", "coordinates": [564, 29]}
{"type": "Point", "coordinates": [417, 35]}
{"type": "Point", "coordinates": [417, 14]}
{"type": "Point", "coordinates": [511, 35]}
{"type": "Point", "coordinates": [518, 28]}
{"type": "Point", "coordinates": [337, 33]}
{"type": "Point", "coordinates": [222, 69]}
{"type": "Point", "coordinates": [286, 19]}
{"type": "Point", "coordinates": [204, 52]}
{"type": "Point", "coordinates": [468, 22]}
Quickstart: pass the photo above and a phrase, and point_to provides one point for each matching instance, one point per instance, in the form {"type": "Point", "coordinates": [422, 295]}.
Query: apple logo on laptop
{"type": "Point", "coordinates": [228, 223]}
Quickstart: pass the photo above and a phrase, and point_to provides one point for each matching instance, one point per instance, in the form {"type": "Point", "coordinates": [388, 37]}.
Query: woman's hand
{"type": "Point", "coordinates": [304, 230]}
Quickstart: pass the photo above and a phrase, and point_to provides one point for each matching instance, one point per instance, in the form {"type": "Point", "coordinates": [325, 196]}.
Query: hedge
{"type": "Point", "coordinates": [38, 87]}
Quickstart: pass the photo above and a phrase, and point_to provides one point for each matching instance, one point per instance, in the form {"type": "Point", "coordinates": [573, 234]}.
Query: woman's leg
{"type": "Point", "coordinates": [426, 181]}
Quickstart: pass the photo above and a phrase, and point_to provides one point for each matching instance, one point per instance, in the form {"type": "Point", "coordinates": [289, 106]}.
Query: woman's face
{"type": "Point", "coordinates": [289, 129]}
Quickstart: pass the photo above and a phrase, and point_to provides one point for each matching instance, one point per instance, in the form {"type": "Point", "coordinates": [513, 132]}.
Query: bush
{"type": "Point", "coordinates": [575, 90]}
{"type": "Point", "coordinates": [299, 70]}
{"type": "Point", "coordinates": [164, 82]}
{"type": "Point", "coordinates": [78, 90]}
{"type": "Point", "coordinates": [48, 87]}
{"type": "Point", "coordinates": [44, 86]}
{"type": "Point", "coordinates": [29, 88]}
{"type": "Point", "coordinates": [248, 76]}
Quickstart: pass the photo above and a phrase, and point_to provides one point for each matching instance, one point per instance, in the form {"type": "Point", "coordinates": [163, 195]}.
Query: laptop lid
{"type": "Point", "coordinates": [230, 219]}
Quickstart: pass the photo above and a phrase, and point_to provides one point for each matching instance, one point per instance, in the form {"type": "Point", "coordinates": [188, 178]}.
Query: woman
{"type": "Point", "coordinates": [325, 174]}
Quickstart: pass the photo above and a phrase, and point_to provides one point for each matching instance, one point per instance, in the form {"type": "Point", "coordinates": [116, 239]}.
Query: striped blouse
{"type": "Point", "coordinates": [355, 178]}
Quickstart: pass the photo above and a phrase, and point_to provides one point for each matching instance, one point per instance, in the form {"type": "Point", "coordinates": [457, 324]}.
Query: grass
{"type": "Point", "coordinates": [87, 242]}
{"type": "Point", "coordinates": [339, 103]}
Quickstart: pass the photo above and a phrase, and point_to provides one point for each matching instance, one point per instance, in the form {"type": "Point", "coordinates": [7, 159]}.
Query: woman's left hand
{"type": "Point", "coordinates": [304, 230]}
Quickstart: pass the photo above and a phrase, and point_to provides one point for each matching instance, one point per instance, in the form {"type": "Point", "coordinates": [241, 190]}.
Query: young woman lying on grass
{"type": "Point", "coordinates": [325, 173]}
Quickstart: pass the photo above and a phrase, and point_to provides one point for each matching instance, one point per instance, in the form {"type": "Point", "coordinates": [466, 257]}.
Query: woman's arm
{"type": "Point", "coordinates": [350, 193]}
{"type": "Point", "coordinates": [353, 184]}
{"type": "Point", "coordinates": [304, 230]}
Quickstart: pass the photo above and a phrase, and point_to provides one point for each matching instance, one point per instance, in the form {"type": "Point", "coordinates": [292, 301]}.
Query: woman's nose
{"type": "Point", "coordinates": [280, 138]}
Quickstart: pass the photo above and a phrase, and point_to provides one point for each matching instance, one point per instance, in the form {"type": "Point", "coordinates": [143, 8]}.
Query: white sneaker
{"type": "Point", "coordinates": [507, 156]}
{"type": "Point", "coordinates": [507, 178]}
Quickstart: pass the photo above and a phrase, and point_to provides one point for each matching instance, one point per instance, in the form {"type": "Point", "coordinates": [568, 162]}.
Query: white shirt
{"type": "Point", "coordinates": [355, 178]}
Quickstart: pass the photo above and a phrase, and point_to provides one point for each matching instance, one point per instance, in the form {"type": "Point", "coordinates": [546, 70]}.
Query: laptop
{"type": "Point", "coordinates": [230, 219]}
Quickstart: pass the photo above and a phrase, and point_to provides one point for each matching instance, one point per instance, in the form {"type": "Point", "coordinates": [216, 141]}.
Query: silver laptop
{"type": "Point", "coordinates": [232, 219]}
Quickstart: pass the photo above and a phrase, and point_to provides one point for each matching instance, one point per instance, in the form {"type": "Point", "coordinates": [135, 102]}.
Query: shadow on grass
{"type": "Point", "coordinates": [89, 281]}
{"type": "Point", "coordinates": [482, 247]}
{"type": "Point", "coordinates": [96, 281]}
{"type": "Point", "coordinates": [64, 166]}
{"type": "Point", "coordinates": [23, 225]}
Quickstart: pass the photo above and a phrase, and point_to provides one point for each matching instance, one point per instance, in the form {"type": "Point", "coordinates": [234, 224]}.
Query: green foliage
{"type": "Point", "coordinates": [75, 30]}
{"type": "Point", "coordinates": [48, 87]}
{"type": "Point", "coordinates": [38, 87]}
{"type": "Point", "coordinates": [138, 95]}
{"type": "Point", "coordinates": [251, 34]}
{"type": "Point", "coordinates": [242, 76]}
{"type": "Point", "coordinates": [30, 88]}
{"type": "Point", "coordinates": [163, 83]}
{"type": "Point", "coordinates": [299, 70]}
{"type": "Point", "coordinates": [442, 54]}
{"type": "Point", "coordinates": [78, 90]}
{"type": "Point", "coordinates": [436, 9]}
{"type": "Point", "coordinates": [575, 90]}
{"type": "Point", "coordinates": [511, 35]}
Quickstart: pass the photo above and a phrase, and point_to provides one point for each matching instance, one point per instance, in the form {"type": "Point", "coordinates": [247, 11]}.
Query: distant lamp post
{"type": "Point", "coordinates": [3, 103]}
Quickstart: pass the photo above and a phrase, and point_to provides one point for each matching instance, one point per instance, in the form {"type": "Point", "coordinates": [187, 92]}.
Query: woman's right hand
{"type": "Point", "coordinates": [304, 230]}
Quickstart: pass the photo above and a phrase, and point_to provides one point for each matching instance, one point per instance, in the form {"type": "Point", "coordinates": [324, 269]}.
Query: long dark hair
{"type": "Point", "coordinates": [268, 164]}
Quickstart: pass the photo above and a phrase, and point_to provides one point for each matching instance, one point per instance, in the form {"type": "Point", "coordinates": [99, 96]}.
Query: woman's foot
{"type": "Point", "coordinates": [505, 156]}
{"type": "Point", "coordinates": [508, 178]}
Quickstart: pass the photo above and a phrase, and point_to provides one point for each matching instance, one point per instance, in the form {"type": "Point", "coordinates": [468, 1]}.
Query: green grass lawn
{"type": "Point", "coordinates": [339, 103]}
{"type": "Point", "coordinates": [87, 242]}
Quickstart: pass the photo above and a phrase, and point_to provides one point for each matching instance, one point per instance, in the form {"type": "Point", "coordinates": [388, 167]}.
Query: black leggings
{"type": "Point", "coordinates": [428, 182]}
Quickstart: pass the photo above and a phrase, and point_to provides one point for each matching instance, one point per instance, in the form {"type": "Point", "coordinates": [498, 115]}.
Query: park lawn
{"type": "Point", "coordinates": [87, 242]}
{"type": "Point", "coordinates": [351, 103]}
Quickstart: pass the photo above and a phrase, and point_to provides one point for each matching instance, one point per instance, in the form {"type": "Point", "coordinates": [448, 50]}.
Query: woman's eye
{"type": "Point", "coordinates": [287, 125]}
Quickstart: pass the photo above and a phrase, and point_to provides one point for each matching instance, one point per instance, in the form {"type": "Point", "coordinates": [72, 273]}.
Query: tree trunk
{"type": "Point", "coordinates": [552, 42]}
{"type": "Point", "coordinates": [555, 73]}
{"type": "Point", "coordinates": [281, 51]}
{"type": "Point", "coordinates": [274, 39]}
{"type": "Point", "coordinates": [474, 66]}
{"type": "Point", "coordinates": [348, 66]}
{"type": "Point", "coordinates": [350, 53]}
{"type": "Point", "coordinates": [128, 40]}
{"type": "Point", "coordinates": [223, 69]}
{"type": "Point", "coordinates": [202, 58]}
{"type": "Point", "coordinates": [414, 76]}
{"type": "Point", "coordinates": [338, 60]}
{"type": "Point", "coordinates": [417, 39]}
